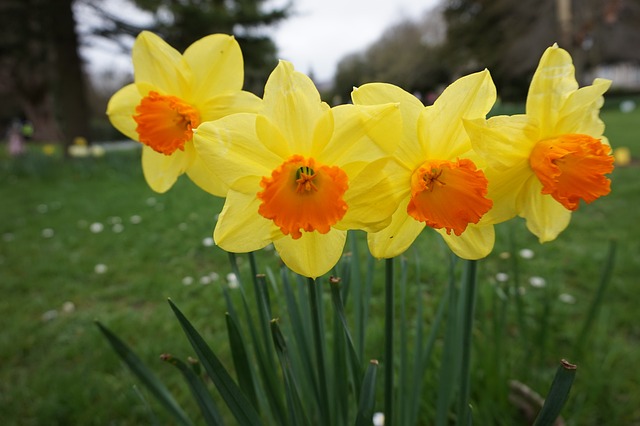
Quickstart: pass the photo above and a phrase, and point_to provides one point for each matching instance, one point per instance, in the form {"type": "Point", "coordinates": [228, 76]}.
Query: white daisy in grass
{"type": "Point", "coordinates": [96, 227]}
{"type": "Point", "coordinates": [208, 242]}
{"type": "Point", "coordinates": [47, 233]}
{"type": "Point", "coordinates": [100, 268]}
{"type": "Point", "coordinates": [135, 219]}
{"type": "Point", "coordinates": [232, 280]}
{"type": "Point", "coordinates": [502, 277]}
{"type": "Point", "coordinates": [567, 298]}
{"type": "Point", "coordinates": [526, 253]}
{"type": "Point", "coordinates": [188, 280]}
{"type": "Point", "coordinates": [537, 282]}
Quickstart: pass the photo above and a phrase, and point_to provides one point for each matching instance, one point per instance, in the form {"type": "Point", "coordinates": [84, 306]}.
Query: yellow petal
{"type": "Point", "coordinates": [396, 238]}
{"type": "Point", "coordinates": [121, 109]}
{"type": "Point", "coordinates": [502, 141]}
{"type": "Point", "coordinates": [545, 217]}
{"type": "Point", "coordinates": [580, 111]}
{"type": "Point", "coordinates": [161, 171]}
{"type": "Point", "coordinates": [313, 254]}
{"type": "Point", "coordinates": [216, 66]}
{"type": "Point", "coordinates": [552, 82]}
{"type": "Point", "coordinates": [228, 103]}
{"type": "Point", "coordinates": [230, 147]}
{"type": "Point", "coordinates": [474, 243]}
{"type": "Point", "coordinates": [362, 134]}
{"type": "Point", "coordinates": [440, 128]}
{"type": "Point", "coordinates": [372, 198]}
{"type": "Point", "coordinates": [293, 104]}
{"type": "Point", "coordinates": [240, 228]}
{"type": "Point", "coordinates": [410, 108]}
{"type": "Point", "coordinates": [206, 179]}
{"type": "Point", "coordinates": [505, 187]}
{"type": "Point", "coordinates": [157, 63]}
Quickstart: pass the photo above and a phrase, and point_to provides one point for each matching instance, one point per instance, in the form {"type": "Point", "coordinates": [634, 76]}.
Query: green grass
{"type": "Point", "coordinates": [62, 371]}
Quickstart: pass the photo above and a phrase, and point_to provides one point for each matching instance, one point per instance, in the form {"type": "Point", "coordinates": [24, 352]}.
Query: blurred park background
{"type": "Point", "coordinates": [84, 238]}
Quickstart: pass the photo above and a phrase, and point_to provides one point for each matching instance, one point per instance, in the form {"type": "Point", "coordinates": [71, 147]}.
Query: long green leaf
{"type": "Point", "coordinates": [244, 372]}
{"type": "Point", "coordinates": [320, 349]}
{"type": "Point", "coordinates": [145, 375]}
{"type": "Point", "coordinates": [388, 343]}
{"type": "Point", "coordinates": [198, 390]}
{"type": "Point", "coordinates": [558, 394]}
{"type": "Point", "coordinates": [353, 355]}
{"type": "Point", "coordinates": [605, 278]}
{"type": "Point", "coordinates": [292, 389]}
{"type": "Point", "coordinates": [469, 300]}
{"type": "Point", "coordinates": [367, 401]}
{"type": "Point", "coordinates": [236, 401]}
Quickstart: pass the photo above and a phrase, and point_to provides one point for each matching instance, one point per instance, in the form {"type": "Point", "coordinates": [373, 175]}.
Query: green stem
{"type": "Point", "coordinates": [319, 347]}
{"type": "Point", "coordinates": [388, 346]}
{"type": "Point", "coordinates": [469, 295]}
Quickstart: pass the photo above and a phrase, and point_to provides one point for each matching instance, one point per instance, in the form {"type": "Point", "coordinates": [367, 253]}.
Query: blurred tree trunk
{"type": "Point", "coordinates": [68, 76]}
{"type": "Point", "coordinates": [26, 64]}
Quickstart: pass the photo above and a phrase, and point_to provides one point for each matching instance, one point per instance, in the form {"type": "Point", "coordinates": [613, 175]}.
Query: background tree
{"type": "Point", "coordinates": [26, 61]}
{"type": "Point", "coordinates": [408, 54]}
{"type": "Point", "coordinates": [181, 22]}
{"type": "Point", "coordinates": [508, 36]}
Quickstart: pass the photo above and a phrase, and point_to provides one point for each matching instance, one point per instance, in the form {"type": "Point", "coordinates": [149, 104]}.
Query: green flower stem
{"type": "Point", "coordinates": [388, 345]}
{"type": "Point", "coordinates": [469, 296]}
{"type": "Point", "coordinates": [320, 350]}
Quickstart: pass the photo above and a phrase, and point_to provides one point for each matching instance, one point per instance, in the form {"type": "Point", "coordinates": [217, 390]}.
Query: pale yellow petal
{"type": "Point", "coordinates": [396, 238]}
{"type": "Point", "coordinates": [552, 82]}
{"type": "Point", "coordinates": [293, 104]}
{"type": "Point", "coordinates": [231, 149]}
{"type": "Point", "coordinates": [502, 141]}
{"type": "Point", "coordinates": [475, 242]}
{"type": "Point", "coordinates": [313, 254]}
{"type": "Point", "coordinates": [157, 63]}
{"type": "Point", "coordinates": [372, 198]}
{"type": "Point", "coordinates": [208, 181]}
{"type": "Point", "coordinates": [216, 66]}
{"type": "Point", "coordinates": [581, 110]}
{"type": "Point", "coordinates": [363, 134]}
{"type": "Point", "coordinates": [505, 187]}
{"type": "Point", "coordinates": [410, 109]}
{"type": "Point", "coordinates": [546, 218]}
{"type": "Point", "coordinates": [440, 127]}
{"type": "Point", "coordinates": [227, 104]}
{"type": "Point", "coordinates": [161, 171]}
{"type": "Point", "coordinates": [122, 107]}
{"type": "Point", "coordinates": [240, 228]}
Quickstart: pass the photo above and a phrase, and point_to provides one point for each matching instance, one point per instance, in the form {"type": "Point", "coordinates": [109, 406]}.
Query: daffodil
{"type": "Point", "coordinates": [171, 95]}
{"type": "Point", "coordinates": [438, 178]}
{"type": "Point", "coordinates": [300, 173]}
{"type": "Point", "coordinates": [542, 163]}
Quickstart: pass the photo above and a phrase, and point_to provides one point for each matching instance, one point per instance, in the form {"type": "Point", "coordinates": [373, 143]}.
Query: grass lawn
{"type": "Point", "coordinates": [87, 240]}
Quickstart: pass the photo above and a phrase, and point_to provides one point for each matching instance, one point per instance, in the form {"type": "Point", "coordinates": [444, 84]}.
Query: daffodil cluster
{"type": "Point", "coordinates": [298, 173]}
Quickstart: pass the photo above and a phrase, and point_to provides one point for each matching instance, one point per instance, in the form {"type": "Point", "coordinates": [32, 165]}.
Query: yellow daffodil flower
{"type": "Point", "coordinates": [301, 173]}
{"type": "Point", "coordinates": [438, 178]}
{"type": "Point", "coordinates": [171, 95]}
{"type": "Point", "coordinates": [542, 163]}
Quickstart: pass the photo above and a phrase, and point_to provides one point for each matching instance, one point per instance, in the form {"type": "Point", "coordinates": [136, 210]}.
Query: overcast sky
{"type": "Point", "coordinates": [314, 39]}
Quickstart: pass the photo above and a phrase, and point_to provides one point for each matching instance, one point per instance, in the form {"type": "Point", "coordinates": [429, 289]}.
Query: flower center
{"type": "Point", "coordinates": [572, 167]}
{"type": "Point", "coordinates": [302, 195]}
{"type": "Point", "coordinates": [165, 123]}
{"type": "Point", "coordinates": [448, 194]}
